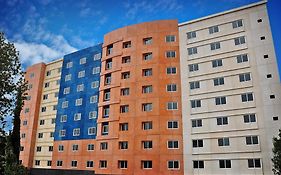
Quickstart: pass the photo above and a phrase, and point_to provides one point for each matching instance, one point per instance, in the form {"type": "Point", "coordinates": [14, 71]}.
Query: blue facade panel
{"type": "Point", "coordinates": [68, 94]}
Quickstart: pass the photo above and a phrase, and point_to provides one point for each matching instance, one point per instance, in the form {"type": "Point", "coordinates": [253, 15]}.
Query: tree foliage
{"type": "Point", "coordinates": [277, 154]}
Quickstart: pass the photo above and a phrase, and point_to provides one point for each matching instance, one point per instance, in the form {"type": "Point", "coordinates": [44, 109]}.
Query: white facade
{"type": "Point", "coordinates": [223, 78]}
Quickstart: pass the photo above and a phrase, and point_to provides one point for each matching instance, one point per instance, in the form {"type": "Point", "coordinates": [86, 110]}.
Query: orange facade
{"type": "Point", "coordinates": [29, 115]}
{"type": "Point", "coordinates": [133, 104]}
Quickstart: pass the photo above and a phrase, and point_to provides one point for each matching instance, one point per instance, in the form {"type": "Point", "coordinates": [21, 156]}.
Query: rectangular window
{"type": "Point", "coordinates": [123, 126]}
{"type": "Point", "coordinates": [95, 84]}
{"type": "Point", "coordinates": [92, 114]}
{"type": "Point", "coordinates": [249, 118]}
{"type": "Point", "coordinates": [106, 111]}
{"type": "Point", "coordinates": [106, 95]}
{"type": "Point", "coordinates": [97, 56]}
{"type": "Point", "coordinates": [45, 96]}
{"type": "Point", "coordinates": [218, 81]}
{"type": "Point", "coordinates": [146, 164]}
{"type": "Point", "coordinates": [76, 132]}
{"type": "Point", "coordinates": [122, 164]}
{"type": "Point", "coordinates": [26, 110]}
{"type": "Point", "coordinates": [49, 163]}
{"type": "Point", "coordinates": [51, 134]}
{"type": "Point", "coordinates": [74, 163]}
{"type": "Point", "coordinates": [194, 85]}
{"type": "Point", "coordinates": [173, 144]}
{"type": "Point", "coordinates": [170, 54]}
{"type": "Point", "coordinates": [94, 99]}
{"type": "Point", "coordinates": [196, 123]}
{"type": "Point", "coordinates": [223, 141]}
{"type": "Point", "coordinates": [108, 64]}
{"type": "Point", "coordinates": [147, 125]}
{"type": "Point", "coordinates": [171, 87]}
{"type": "Point", "coordinates": [107, 79]}
{"type": "Point", "coordinates": [126, 59]}
{"type": "Point", "coordinates": [67, 77]}
{"type": "Point", "coordinates": [195, 103]}
{"type": "Point", "coordinates": [109, 49]}
{"type": "Point", "coordinates": [63, 118]}
{"type": "Point", "coordinates": [40, 135]}
{"type": "Point", "coordinates": [90, 164]}
{"type": "Point", "coordinates": [254, 163]}
{"type": "Point", "coordinates": [198, 164]}
{"type": "Point", "coordinates": [66, 90]}
{"type": "Point", "coordinates": [173, 124]}
{"type": "Point", "coordinates": [81, 74]}
{"type": "Point", "coordinates": [239, 40]}
{"type": "Point", "coordinates": [215, 46]}
{"type": "Point", "coordinates": [147, 107]}
{"type": "Point", "coordinates": [247, 97]}
{"type": "Point", "coordinates": [193, 67]}
{"type": "Point", "coordinates": [197, 143]}
{"type": "Point", "coordinates": [103, 164]}
{"type": "Point", "coordinates": [147, 56]}
{"type": "Point", "coordinates": [91, 130]}
{"type": "Point", "coordinates": [104, 128]}
{"type": "Point", "coordinates": [222, 120]}
{"type": "Point", "coordinates": [42, 122]}
{"type": "Point", "coordinates": [28, 98]}
{"type": "Point", "coordinates": [147, 41]}
{"type": "Point", "coordinates": [77, 116]}
{"type": "Point", "coordinates": [56, 94]}
{"type": "Point", "coordinates": [225, 163]}
{"type": "Point", "coordinates": [59, 163]}
{"type": "Point", "coordinates": [80, 87]}
{"type": "Point", "coordinates": [191, 35]}
{"type": "Point", "coordinates": [217, 63]}
{"type": "Point", "coordinates": [171, 70]}
{"type": "Point", "coordinates": [147, 72]}
{"type": "Point", "coordinates": [172, 105]}
{"type": "Point", "coordinates": [147, 89]}
{"type": "Point", "coordinates": [78, 102]}
{"type": "Point", "coordinates": [125, 75]}
{"type": "Point", "coordinates": [220, 100]}
{"type": "Point", "coordinates": [147, 144]}
{"type": "Point", "coordinates": [103, 146]}
{"type": "Point", "coordinates": [60, 148]}
{"type": "Point", "coordinates": [237, 23]}
{"type": "Point", "coordinates": [123, 145]}
{"type": "Point", "coordinates": [96, 70]}
{"type": "Point", "coordinates": [173, 164]}
{"type": "Point", "coordinates": [69, 64]}
{"type": "Point", "coordinates": [24, 122]}
{"type": "Point", "coordinates": [75, 147]}
{"type": "Point", "coordinates": [213, 29]}
{"type": "Point", "coordinates": [57, 82]}
{"type": "Point", "coordinates": [170, 38]}
{"type": "Point", "coordinates": [252, 140]}
{"type": "Point", "coordinates": [62, 133]}
{"type": "Point", "coordinates": [38, 149]}
{"type": "Point", "coordinates": [47, 85]}
{"type": "Point", "coordinates": [37, 162]}
{"type": "Point", "coordinates": [242, 58]}
{"type": "Point", "coordinates": [127, 44]}
{"type": "Point", "coordinates": [43, 109]}
{"type": "Point", "coordinates": [192, 50]}
{"type": "Point", "coordinates": [51, 148]}
{"type": "Point", "coordinates": [125, 91]}
{"type": "Point", "coordinates": [244, 77]}
{"type": "Point", "coordinates": [83, 60]}
{"type": "Point", "coordinates": [124, 108]}
{"type": "Point", "coordinates": [91, 147]}
{"type": "Point", "coordinates": [31, 75]}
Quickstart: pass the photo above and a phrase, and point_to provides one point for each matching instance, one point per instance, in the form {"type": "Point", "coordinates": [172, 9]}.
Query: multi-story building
{"type": "Point", "coordinates": [199, 97]}
{"type": "Point", "coordinates": [230, 92]}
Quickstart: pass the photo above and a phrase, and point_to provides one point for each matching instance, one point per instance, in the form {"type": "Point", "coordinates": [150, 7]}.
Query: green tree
{"type": "Point", "coordinates": [277, 154]}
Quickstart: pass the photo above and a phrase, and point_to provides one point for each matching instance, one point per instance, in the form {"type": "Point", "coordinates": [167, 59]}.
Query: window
{"type": "Point", "coordinates": [48, 73]}
{"type": "Point", "coordinates": [242, 58]}
{"type": "Point", "coordinates": [225, 163]}
{"type": "Point", "coordinates": [103, 146]}
{"type": "Point", "coordinates": [26, 110]}
{"type": "Point", "coordinates": [125, 91]}
{"type": "Point", "coordinates": [81, 74]}
{"type": "Point", "coordinates": [92, 114]}
{"type": "Point", "coordinates": [126, 59]}
{"type": "Point", "coordinates": [21, 148]}
{"type": "Point", "coordinates": [127, 44]}
{"type": "Point", "coordinates": [95, 84]}
{"type": "Point", "coordinates": [222, 120]}
{"type": "Point", "coordinates": [147, 41]}
{"type": "Point", "coordinates": [42, 122]}
{"type": "Point", "coordinates": [173, 164]}
{"type": "Point", "coordinates": [252, 140]}
{"type": "Point", "coordinates": [237, 23]}
{"type": "Point", "coordinates": [192, 50]}
{"type": "Point", "coordinates": [171, 87]}
{"type": "Point", "coordinates": [108, 64]}
{"type": "Point", "coordinates": [23, 135]}
{"type": "Point", "coordinates": [90, 164]}
{"type": "Point", "coordinates": [63, 118]}
{"type": "Point", "coordinates": [215, 45]}
{"type": "Point", "coordinates": [37, 162]}
{"type": "Point", "coordinates": [51, 134]}
{"type": "Point", "coordinates": [268, 76]}
{"type": "Point", "coordinates": [107, 79]}
{"type": "Point", "coordinates": [74, 163]}
{"type": "Point", "coordinates": [82, 60]}
{"type": "Point", "coordinates": [57, 82]}
{"type": "Point", "coordinates": [59, 70]}
{"type": "Point", "coordinates": [125, 75]}
{"type": "Point", "coordinates": [173, 124]}
{"type": "Point", "coordinates": [263, 38]}
{"type": "Point", "coordinates": [38, 149]}
{"type": "Point", "coordinates": [198, 164]}
{"type": "Point", "coordinates": [78, 102]}
{"type": "Point", "coordinates": [147, 56]}
{"type": "Point", "coordinates": [172, 105]}
{"type": "Point", "coordinates": [170, 54]}
{"type": "Point", "coordinates": [104, 128]}
{"type": "Point", "coordinates": [170, 38]}
{"type": "Point", "coordinates": [67, 77]}
{"type": "Point", "coordinates": [197, 143]}
{"type": "Point", "coordinates": [123, 145]}
{"type": "Point", "coordinates": [24, 122]}
{"type": "Point", "coordinates": [103, 164]}
{"type": "Point", "coordinates": [147, 72]}
{"type": "Point", "coordinates": [272, 96]}
{"type": "Point", "coordinates": [31, 75]}
{"type": "Point", "coordinates": [146, 164]}
{"type": "Point", "coordinates": [49, 163]}
{"type": "Point", "coordinates": [122, 164]}
{"type": "Point", "coordinates": [194, 85]}
{"type": "Point", "coordinates": [244, 77]}
{"type": "Point", "coordinates": [91, 147]}
{"type": "Point", "coordinates": [66, 90]}
{"type": "Point", "coordinates": [217, 63]}
{"type": "Point", "coordinates": [247, 97]}
{"type": "Point", "coordinates": [69, 64]}
{"type": "Point", "coordinates": [109, 49]}
{"type": "Point", "coordinates": [147, 144]}
{"type": "Point", "coordinates": [147, 107]}
{"type": "Point", "coordinates": [40, 135]}
{"type": "Point", "coordinates": [239, 40]}
{"type": "Point", "coordinates": [218, 81]}
{"type": "Point", "coordinates": [75, 147]}
{"type": "Point", "coordinates": [147, 125]}
{"type": "Point", "coordinates": [213, 29]}
{"type": "Point", "coordinates": [254, 163]}
{"type": "Point", "coordinates": [43, 109]}
{"type": "Point", "coordinates": [56, 94]}
{"type": "Point", "coordinates": [106, 95]}
{"type": "Point", "coordinates": [62, 133]}
{"type": "Point", "coordinates": [124, 108]}
{"type": "Point", "coordinates": [59, 163]}
{"type": "Point", "coordinates": [51, 148]}
{"type": "Point", "coordinates": [77, 116]}
{"type": "Point", "coordinates": [173, 144]}
{"type": "Point", "coordinates": [223, 141]}
{"type": "Point", "coordinates": [47, 84]}
{"type": "Point", "coordinates": [28, 98]}
{"type": "Point", "coordinates": [29, 86]}
{"type": "Point", "coordinates": [123, 126]}
{"type": "Point", "coordinates": [259, 20]}
{"type": "Point", "coordinates": [45, 96]}
{"type": "Point", "coordinates": [171, 70]}
{"type": "Point", "coordinates": [106, 111]}
{"type": "Point", "coordinates": [195, 103]}
{"type": "Point", "coordinates": [196, 123]}
{"type": "Point", "coordinates": [275, 118]}
{"type": "Point", "coordinates": [76, 131]}
{"type": "Point", "coordinates": [96, 70]}
{"type": "Point", "coordinates": [147, 89]}
{"type": "Point", "coordinates": [97, 56]}
{"type": "Point", "coordinates": [61, 148]}
{"type": "Point", "coordinates": [191, 35]}
{"type": "Point", "coordinates": [265, 56]}
{"type": "Point", "coordinates": [220, 100]}
{"type": "Point", "coordinates": [80, 87]}
{"type": "Point", "coordinates": [94, 99]}
{"type": "Point", "coordinates": [193, 67]}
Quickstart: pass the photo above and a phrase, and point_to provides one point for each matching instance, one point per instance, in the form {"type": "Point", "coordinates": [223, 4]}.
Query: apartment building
{"type": "Point", "coordinates": [230, 92]}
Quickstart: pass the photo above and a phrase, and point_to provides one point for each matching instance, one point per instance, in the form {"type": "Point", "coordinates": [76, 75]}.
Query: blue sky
{"type": "Point", "coordinates": [43, 30]}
